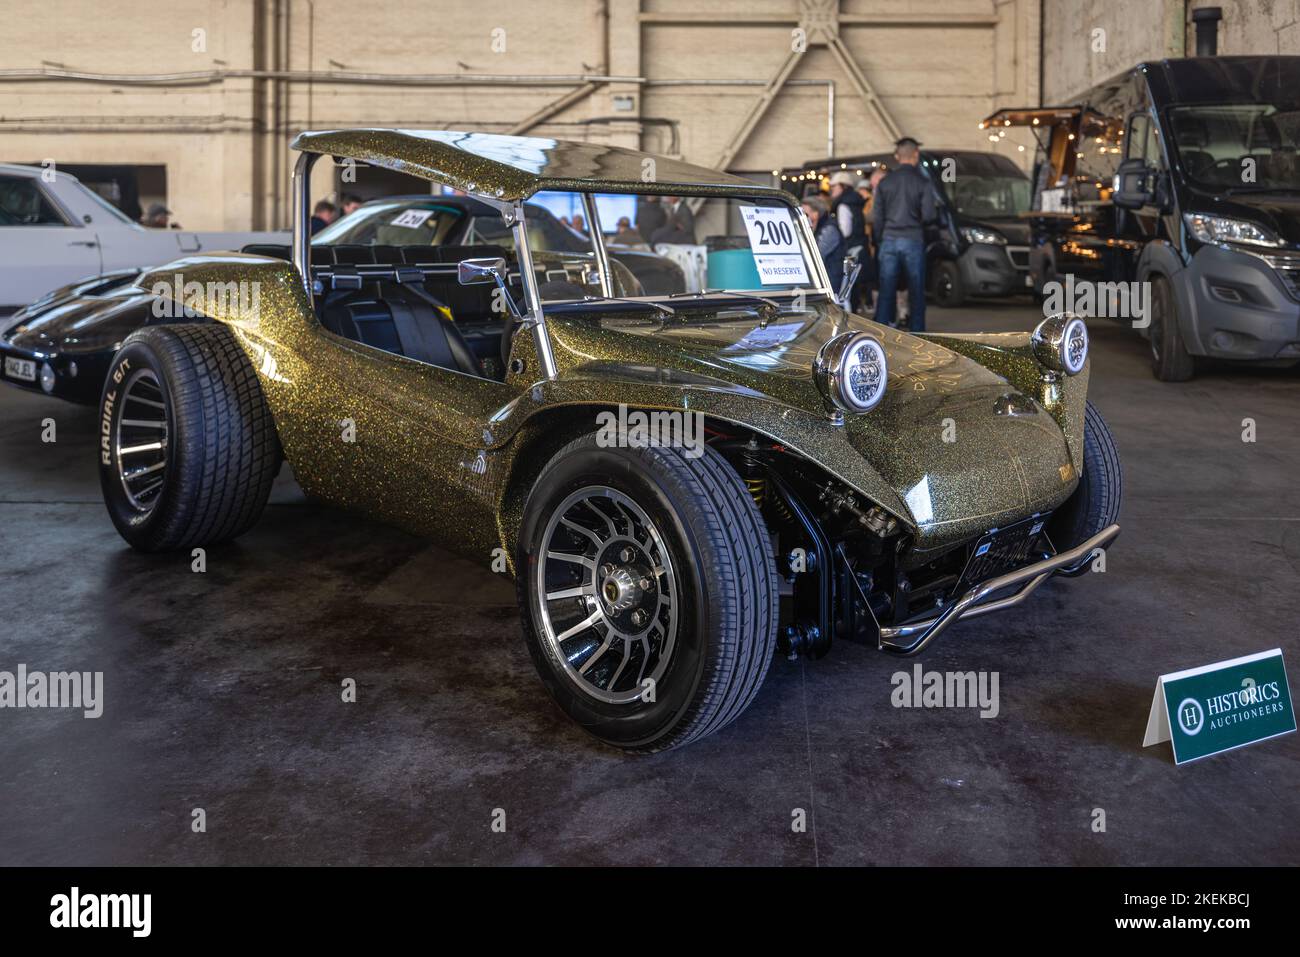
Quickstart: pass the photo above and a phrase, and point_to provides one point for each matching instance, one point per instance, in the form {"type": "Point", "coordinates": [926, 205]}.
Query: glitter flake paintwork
{"type": "Point", "coordinates": [972, 431]}
{"type": "Point", "coordinates": [512, 168]}
{"type": "Point", "coordinates": [450, 456]}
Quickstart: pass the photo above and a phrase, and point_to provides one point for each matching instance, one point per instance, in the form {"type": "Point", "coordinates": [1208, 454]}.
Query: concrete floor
{"type": "Point", "coordinates": [223, 689]}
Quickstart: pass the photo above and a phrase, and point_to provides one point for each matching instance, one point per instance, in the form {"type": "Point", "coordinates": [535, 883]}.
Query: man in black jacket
{"type": "Point", "coordinates": [902, 207]}
{"type": "Point", "coordinates": [650, 216]}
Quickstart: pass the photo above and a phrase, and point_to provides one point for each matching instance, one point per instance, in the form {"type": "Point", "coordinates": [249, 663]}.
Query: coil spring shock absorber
{"type": "Point", "coordinates": [755, 475]}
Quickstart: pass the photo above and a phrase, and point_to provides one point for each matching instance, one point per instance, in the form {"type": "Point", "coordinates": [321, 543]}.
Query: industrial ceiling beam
{"type": "Point", "coordinates": [846, 19]}
{"type": "Point", "coordinates": [820, 21]}
{"type": "Point", "coordinates": [758, 110]}
{"type": "Point", "coordinates": [558, 105]}
{"type": "Point", "coordinates": [864, 88]}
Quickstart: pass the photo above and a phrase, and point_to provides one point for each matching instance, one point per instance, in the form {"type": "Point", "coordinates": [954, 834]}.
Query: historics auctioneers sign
{"type": "Point", "coordinates": [1218, 707]}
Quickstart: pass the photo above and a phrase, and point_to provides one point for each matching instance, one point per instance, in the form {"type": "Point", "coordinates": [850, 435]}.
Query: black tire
{"type": "Point", "coordinates": [726, 591]}
{"type": "Point", "coordinates": [221, 449]}
{"type": "Point", "coordinates": [1096, 501]}
{"type": "Point", "coordinates": [948, 290]}
{"type": "Point", "coordinates": [1170, 360]}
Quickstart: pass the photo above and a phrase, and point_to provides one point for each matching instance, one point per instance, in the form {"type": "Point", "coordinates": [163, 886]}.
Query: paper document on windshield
{"type": "Point", "coordinates": [775, 244]}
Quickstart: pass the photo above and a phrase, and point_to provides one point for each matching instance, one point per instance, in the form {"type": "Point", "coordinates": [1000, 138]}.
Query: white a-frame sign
{"type": "Point", "coordinates": [1219, 707]}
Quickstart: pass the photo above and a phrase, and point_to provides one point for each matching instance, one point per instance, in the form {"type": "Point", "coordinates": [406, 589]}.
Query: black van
{"type": "Point", "coordinates": [1184, 174]}
{"type": "Point", "coordinates": [980, 247]}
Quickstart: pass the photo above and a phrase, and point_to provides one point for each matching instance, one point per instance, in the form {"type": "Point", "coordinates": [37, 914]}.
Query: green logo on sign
{"type": "Point", "coordinates": [1218, 707]}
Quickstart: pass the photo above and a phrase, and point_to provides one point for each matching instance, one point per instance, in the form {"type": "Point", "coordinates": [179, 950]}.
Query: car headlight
{"type": "Point", "coordinates": [1220, 229]}
{"type": "Point", "coordinates": [47, 377]}
{"type": "Point", "coordinates": [1061, 343]}
{"type": "Point", "coordinates": [978, 234]}
{"type": "Point", "coordinates": [851, 370]}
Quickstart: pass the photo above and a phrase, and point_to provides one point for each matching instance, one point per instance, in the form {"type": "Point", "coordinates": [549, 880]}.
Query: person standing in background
{"type": "Point", "coordinates": [650, 216]}
{"type": "Point", "coordinates": [830, 241]}
{"type": "Point", "coordinates": [846, 207]}
{"type": "Point", "coordinates": [625, 235]}
{"type": "Point", "coordinates": [847, 210]}
{"type": "Point", "coordinates": [871, 265]}
{"type": "Point", "coordinates": [902, 206]}
{"type": "Point", "coordinates": [681, 216]}
{"type": "Point", "coordinates": [672, 233]}
{"type": "Point", "coordinates": [156, 216]}
{"type": "Point", "coordinates": [322, 215]}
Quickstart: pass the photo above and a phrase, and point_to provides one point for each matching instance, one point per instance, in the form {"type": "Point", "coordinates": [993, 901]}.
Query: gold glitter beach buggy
{"type": "Point", "coordinates": [681, 484]}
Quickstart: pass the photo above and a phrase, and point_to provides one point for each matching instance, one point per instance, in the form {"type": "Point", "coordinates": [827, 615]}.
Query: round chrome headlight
{"type": "Point", "coordinates": [851, 370]}
{"type": "Point", "coordinates": [47, 377]}
{"type": "Point", "coordinates": [1061, 343]}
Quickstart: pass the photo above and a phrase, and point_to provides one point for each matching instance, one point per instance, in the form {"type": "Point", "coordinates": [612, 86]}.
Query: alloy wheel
{"type": "Point", "coordinates": [140, 440]}
{"type": "Point", "coordinates": [608, 595]}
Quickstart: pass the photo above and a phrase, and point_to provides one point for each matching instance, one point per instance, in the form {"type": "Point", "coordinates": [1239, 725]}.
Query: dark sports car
{"type": "Point", "coordinates": [424, 220]}
{"type": "Point", "coordinates": [62, 343]}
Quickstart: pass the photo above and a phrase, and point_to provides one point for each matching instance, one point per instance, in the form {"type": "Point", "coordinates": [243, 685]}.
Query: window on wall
{"type": "Point", "coordinates": [131, 188]}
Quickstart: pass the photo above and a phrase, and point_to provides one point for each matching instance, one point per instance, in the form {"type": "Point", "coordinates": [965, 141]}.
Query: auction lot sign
{"type": "Point", "coordinates": [1223, 706]}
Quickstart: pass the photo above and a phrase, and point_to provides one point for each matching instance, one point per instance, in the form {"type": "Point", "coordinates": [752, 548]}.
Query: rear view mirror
{"type": "Point", "coordinates": [473, 271]}
{"type": "Point", "coordinates": [1134, 185]}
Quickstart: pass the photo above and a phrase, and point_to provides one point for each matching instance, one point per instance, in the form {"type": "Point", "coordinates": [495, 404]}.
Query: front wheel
{"type": "Point", "coordinates": [648, 591]}
{"type": "Point", "coordinates": [1170, 360]}
{"type": "Point", "coordinates": [1096, 501]}
{"type": "Point", "coordinates": [949, 292]}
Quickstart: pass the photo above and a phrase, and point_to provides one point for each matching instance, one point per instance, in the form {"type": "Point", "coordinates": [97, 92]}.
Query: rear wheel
{"type": "Point", "coordinates": [648, 592]}
{"type": "Point", "coordinates": [1096, 501]}
{"type": "Point", "coordinates": [188, 448]}
{"type": "Point", "coordinates": [1170, 360]}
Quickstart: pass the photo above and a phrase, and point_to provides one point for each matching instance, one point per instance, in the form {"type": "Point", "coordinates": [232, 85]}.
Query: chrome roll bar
{"type": "Point", "coordinates": [598, 244]}
{"type": "Point", "coordinates": [301, 190]}
{"type": "Point", "coordinates": [535, 318]}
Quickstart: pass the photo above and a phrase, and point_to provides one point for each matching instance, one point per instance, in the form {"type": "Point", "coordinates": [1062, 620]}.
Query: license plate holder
{"type": "Point", "coordinates": [24, 370]}
{"type": "Point", "coordinates": [1005, 549]}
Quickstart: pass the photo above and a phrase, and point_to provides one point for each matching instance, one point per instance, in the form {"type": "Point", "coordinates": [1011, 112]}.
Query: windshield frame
{"type": "Point", "coordinates": [536, 315]}
{"type": "Point", "coordinates": [515, 217]}
{"type": "Point", "coordinates": [820, 284]}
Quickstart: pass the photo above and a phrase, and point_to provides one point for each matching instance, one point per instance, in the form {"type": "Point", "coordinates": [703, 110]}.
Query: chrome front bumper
{"type": "Point", "coordinates": [895, 639]}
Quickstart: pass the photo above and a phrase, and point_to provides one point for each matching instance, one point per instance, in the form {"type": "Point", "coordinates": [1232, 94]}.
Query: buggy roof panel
{"type": "Point", "coordinates": [511, 168]}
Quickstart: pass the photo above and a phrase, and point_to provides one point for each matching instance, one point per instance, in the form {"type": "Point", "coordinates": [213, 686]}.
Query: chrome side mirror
{"type": "Point", "coordinates": [471, 272]}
